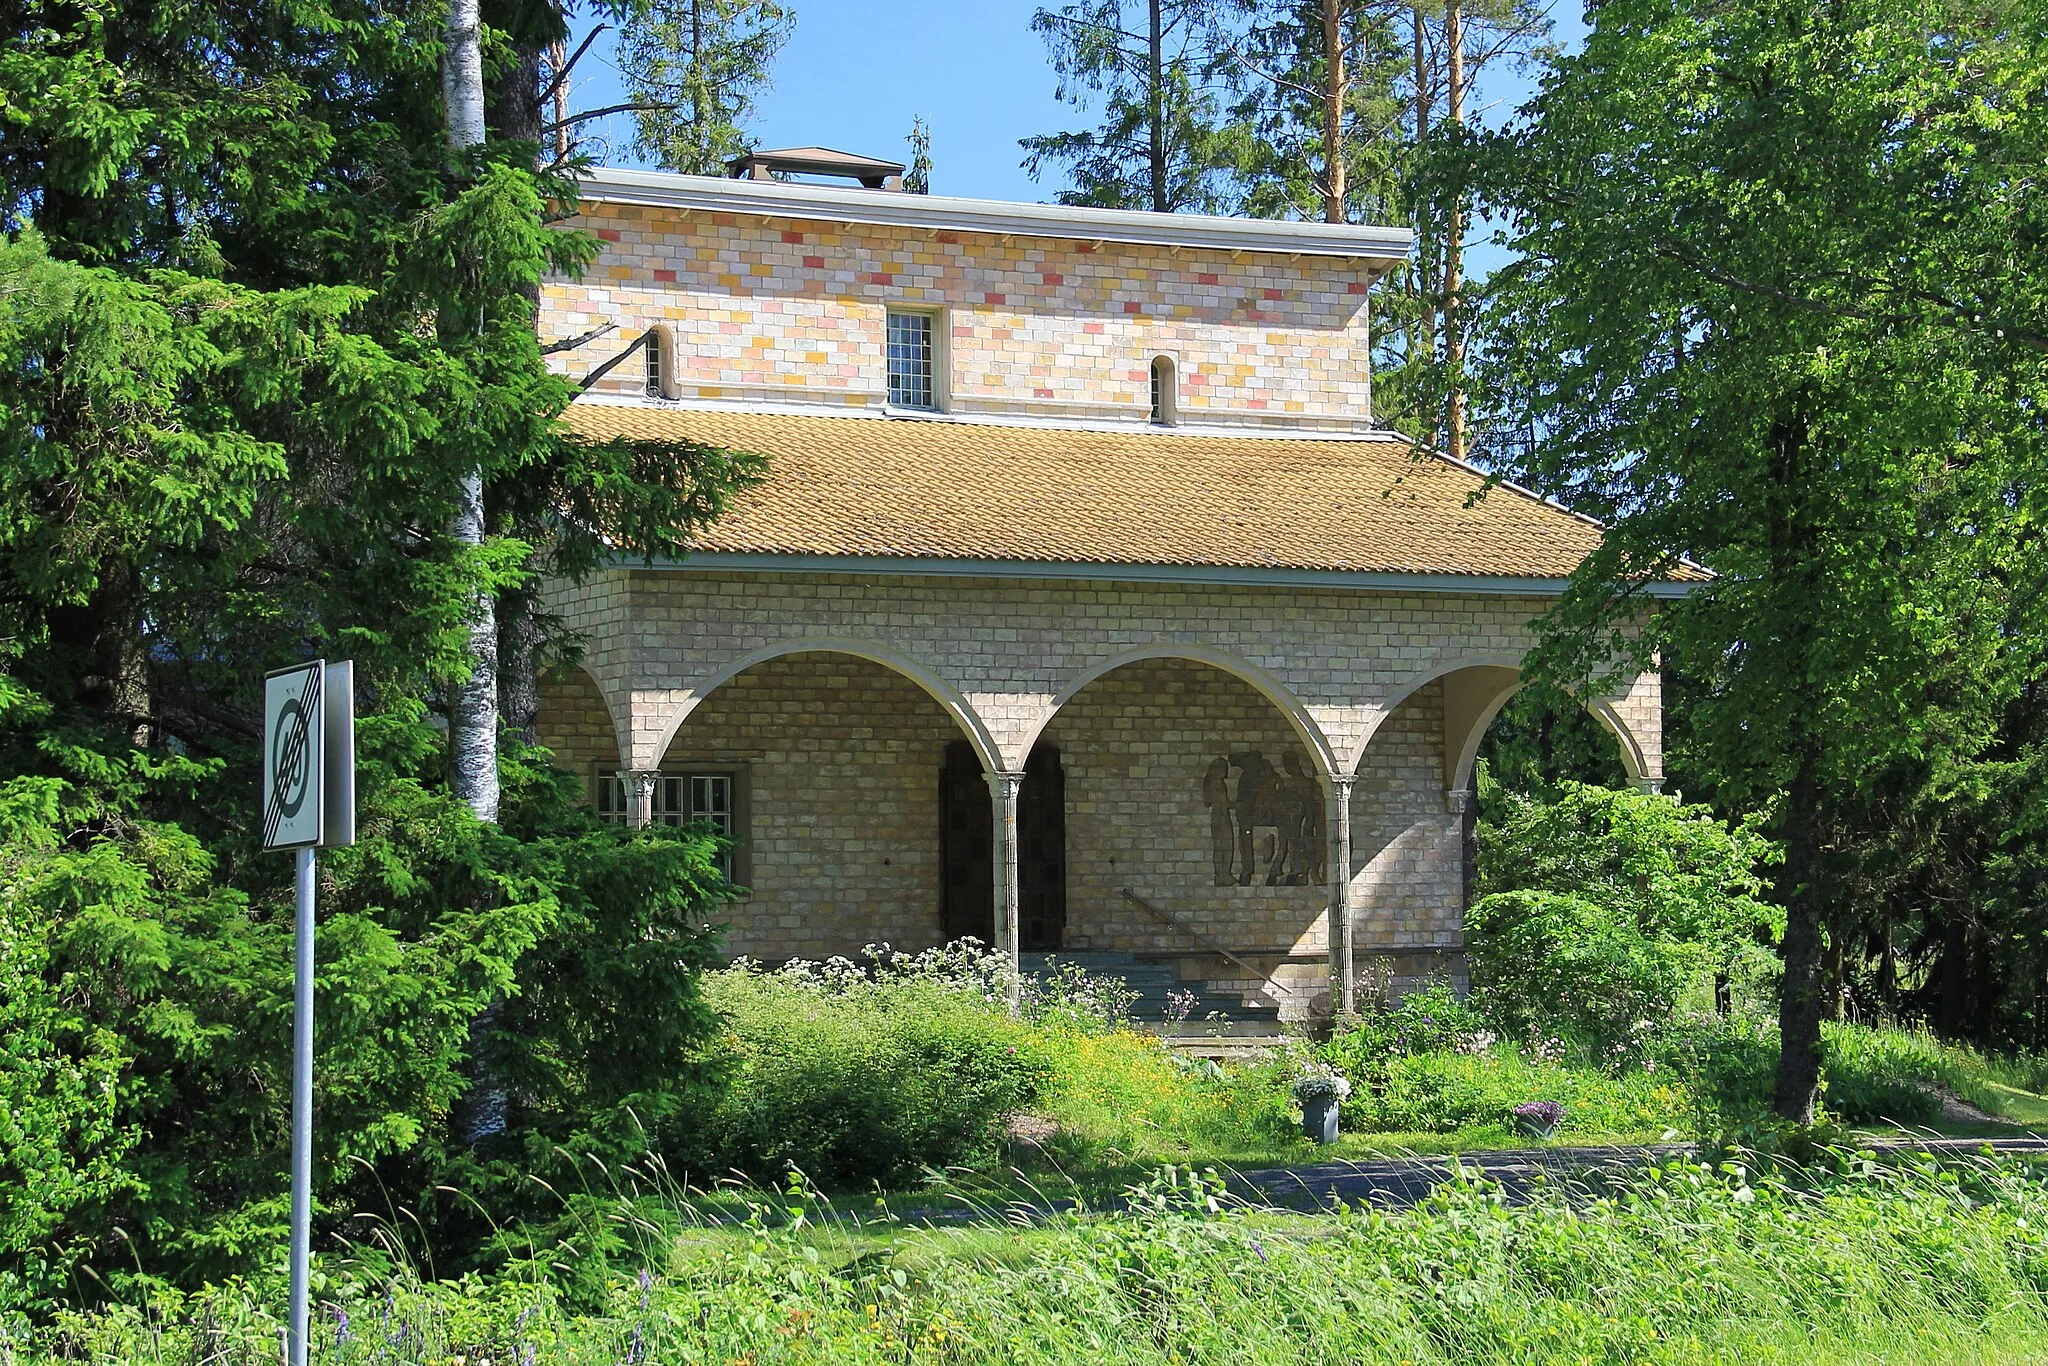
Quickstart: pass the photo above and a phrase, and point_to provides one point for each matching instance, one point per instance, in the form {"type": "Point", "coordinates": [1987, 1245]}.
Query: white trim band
{"type": "Point", "coordinates": [1384, 247]}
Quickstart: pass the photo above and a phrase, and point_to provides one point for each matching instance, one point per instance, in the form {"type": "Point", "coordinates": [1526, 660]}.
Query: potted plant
{"type": "Point", "coordinates": [1539, 1118]}
{"type": "Point", "coordinates": [1319, 1091]}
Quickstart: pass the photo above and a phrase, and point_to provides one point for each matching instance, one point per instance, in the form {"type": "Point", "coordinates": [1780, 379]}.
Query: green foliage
{"type": "Point", "coordinates": [169, 979]}
{"type": "Point", "coordinates": [856, 1080]}
{"type": "Point", "coordinates": [704, 63]}
{"type": "Point", "coordinates": [1774, 305]}
{"type": "Point", "coordinates": [1162, 144]}
{"type": "Point", "coordinates": [1904, 1261]}
{"type": "Point", "coordinates": [1445, 1092]}
{"type": "Point", "coordinates": [1602, 910]}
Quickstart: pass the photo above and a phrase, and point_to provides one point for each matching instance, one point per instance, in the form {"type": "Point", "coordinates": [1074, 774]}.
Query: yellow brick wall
{"type": "Point", "coordinates": [792, 310]}
{"type": "Point", "coordinates": [839, 759]}
{"type": "Point", "coordinates": [1137, 744]}
{"type": "Point", "coordinates": [575, 724]}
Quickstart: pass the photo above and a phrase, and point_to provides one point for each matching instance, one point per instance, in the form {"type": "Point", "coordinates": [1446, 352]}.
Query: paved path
{"type": "Point", "coordinates": [1400, 1182]}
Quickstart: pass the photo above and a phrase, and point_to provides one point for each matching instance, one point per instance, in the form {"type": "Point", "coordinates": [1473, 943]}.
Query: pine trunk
{"type": "Point", "coordinates": [1454, 242]}
{"type": "Point", "coordinates": [1335, 89]}
{"type": "Point", "coordinates": [1155, 112]}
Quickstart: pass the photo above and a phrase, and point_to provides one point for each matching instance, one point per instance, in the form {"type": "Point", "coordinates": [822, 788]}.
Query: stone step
{"type": "Point", "coordinates": [1156, 984]}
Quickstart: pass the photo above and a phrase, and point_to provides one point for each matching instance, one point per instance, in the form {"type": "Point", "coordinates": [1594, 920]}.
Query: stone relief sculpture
{"type": "Point", "coordinates": [1267, 829]}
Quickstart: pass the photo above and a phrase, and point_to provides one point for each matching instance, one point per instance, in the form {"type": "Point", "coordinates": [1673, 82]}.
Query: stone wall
{"type": "Point", "coordinates": [1140, 747]}
{"type": "Point", "coordinates": [838, 762]}
{"type": "Point", "coordinates": [791, 310]}
{"type": "Point", "coordinates": [577, 726]}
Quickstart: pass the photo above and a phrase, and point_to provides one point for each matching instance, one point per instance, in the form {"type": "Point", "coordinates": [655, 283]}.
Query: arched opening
{"type": "Point", "coordinates": [1165, 393]}
{"type": "Point", "coordinates": [829, 765]}
{"type": "Point", "coordinates": [1414, 814]}
{"type": "Point", "coordinates": [658, 363]}
{"type": "Point", "coordinates": [1196, 832]}
{"type": "Point", "coordinates": [575, 722]}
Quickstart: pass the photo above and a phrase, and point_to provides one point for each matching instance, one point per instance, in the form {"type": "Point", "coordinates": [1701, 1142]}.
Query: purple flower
{"type": "Point", "coordinates": [1541, 1114]}
{"type": "Point", "coordinates": [341, 1332]}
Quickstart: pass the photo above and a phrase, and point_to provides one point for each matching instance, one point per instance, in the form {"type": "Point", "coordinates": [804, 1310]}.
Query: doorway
{"type": "Point", "coordinates": [967, 850]}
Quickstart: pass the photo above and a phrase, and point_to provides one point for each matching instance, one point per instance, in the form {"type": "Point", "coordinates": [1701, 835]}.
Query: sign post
{"type": "Point", "coordinates": [309, 800]}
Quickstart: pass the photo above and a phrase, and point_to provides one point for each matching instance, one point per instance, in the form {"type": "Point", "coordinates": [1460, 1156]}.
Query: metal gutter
{"type": "Point", "coordinates": [1385, 247]}
{"type": "Point", "coordinates": [921, 566]}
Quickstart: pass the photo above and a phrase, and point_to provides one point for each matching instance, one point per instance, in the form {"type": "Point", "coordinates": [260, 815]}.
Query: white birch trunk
{"type": "Point", "coordinates": [473, 713]}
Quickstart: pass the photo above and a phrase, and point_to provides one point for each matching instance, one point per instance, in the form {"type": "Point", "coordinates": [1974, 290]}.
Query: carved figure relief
{"type": "Point", "coordinates": [1265, 824]}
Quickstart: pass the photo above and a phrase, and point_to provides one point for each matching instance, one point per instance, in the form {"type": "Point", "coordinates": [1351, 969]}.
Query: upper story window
{"type": "Point", "coordinates": [1165, 401]}
{"type": "Point", "coordinates": [911, 354]}
{"type": "Point", "coordinates": [654, 375]}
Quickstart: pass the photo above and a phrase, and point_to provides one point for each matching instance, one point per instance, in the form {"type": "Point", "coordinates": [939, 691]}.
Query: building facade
{"type": "Point", "coordinates": [1082, 606]}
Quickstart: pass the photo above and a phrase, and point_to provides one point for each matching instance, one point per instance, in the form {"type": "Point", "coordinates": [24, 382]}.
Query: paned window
{"type": "Point", "coordinates": [910, 361]}
{"type": "Point", "coordinates": [679, 799]}
{"type": "Point", "coordinates": [654, 365]}
{"type": "Point", "coordinates": [1163, 396]}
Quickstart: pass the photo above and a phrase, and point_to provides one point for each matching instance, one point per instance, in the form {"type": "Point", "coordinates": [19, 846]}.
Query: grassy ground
{"type": "Point", "coordinates": [1863, 1263]}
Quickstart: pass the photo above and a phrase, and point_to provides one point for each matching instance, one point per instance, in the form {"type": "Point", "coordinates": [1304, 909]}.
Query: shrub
{"type": "Point", "coordinates": [1603, 910]}
{"type": "Point", "coordinates": [1867, 1075]}
{"type": "Point", "coordinates": [1550, 963]}
{"type": "Point", "coordinates": [856, 1079]}
{"type": "Point", "coordinates": [1445, 1092]}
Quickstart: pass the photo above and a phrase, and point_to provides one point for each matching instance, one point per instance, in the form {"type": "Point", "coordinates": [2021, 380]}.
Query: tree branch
{"type": "Point", "coordinates": [629, 107]}
{"type": "Point", "coordinates": [556, 84]}
{"type": "Point", "coordinates": [571, 343]}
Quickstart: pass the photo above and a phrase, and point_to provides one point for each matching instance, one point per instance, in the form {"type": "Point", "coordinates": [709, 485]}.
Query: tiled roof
{"type": "Point", "coordinates": [979, 491]}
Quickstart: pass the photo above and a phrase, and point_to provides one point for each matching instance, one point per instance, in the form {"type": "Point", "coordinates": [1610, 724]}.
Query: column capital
{"type": "Point", "coordinates": [1003, 783]}
{"type": "Point", "coordinates": [1457, 800]}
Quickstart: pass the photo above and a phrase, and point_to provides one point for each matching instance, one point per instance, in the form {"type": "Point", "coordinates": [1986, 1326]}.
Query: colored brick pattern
{"type": "Point", "coordinates": [783, 310]}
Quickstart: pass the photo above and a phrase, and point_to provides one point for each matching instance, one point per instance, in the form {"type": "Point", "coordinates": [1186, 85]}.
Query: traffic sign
{"type": "Point", "coordinates": [294, 743]}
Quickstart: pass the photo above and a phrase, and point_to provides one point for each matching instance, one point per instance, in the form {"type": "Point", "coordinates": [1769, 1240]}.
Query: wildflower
{"type": "Point", "coordinates": [341, 1331]}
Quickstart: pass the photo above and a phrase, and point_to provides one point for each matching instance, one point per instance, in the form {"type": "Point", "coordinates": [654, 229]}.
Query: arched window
{"type": "Point", "coordinates": [657, 376]}
{"type": "Point", "coordinates": [1165, 402]}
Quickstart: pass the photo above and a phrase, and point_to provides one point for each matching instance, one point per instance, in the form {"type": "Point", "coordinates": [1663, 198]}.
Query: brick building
{"type": "Point", "coordinates": [1082, 607]}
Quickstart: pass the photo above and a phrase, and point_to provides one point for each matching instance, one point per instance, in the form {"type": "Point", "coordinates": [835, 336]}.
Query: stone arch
{"type": "Point", "coordinates": [973, 729]}
{"type": "Point", "coordinates": [1486, 692]}
{"type": "Point", "coordinates": [568, 721]}
{"type": "Point", "coordinates": [1265, 683]}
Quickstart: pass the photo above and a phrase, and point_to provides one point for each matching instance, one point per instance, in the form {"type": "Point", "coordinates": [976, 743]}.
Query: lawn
{"type": "Point", "coordinates": [1896, 1261]}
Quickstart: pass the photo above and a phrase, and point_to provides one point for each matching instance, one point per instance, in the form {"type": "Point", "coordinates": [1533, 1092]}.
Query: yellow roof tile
{"type": "Point", "coordinates": [861, 485]}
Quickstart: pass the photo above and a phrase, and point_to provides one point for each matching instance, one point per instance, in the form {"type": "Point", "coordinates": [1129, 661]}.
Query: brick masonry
{"type": "Point", "coordinates": [782, 310]}
{"type": "Point", "coordinates": [1140, 687]}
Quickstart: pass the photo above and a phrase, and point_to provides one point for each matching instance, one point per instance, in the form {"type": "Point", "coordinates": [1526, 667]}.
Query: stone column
{"type": "Point", "coordinates": [1342, 949]}
{"type": "Point", "coordinates": [640, 796]}
{"type": "Point", "coordinates": [1004, 787]}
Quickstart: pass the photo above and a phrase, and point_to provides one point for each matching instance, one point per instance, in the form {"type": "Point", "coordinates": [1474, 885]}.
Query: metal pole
{"type": "Point", "coordinates": [302, 1107]}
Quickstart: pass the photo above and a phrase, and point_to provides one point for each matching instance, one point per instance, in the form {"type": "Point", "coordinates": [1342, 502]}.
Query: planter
{"type": "Point", "coordinates": [1532, 1129]}
{"type": "Point", "coordinates": [1319, 1119]}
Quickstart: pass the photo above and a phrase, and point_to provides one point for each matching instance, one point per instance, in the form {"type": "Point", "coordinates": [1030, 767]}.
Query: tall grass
{"type": "Point", "coordinates": [1900, 1263]}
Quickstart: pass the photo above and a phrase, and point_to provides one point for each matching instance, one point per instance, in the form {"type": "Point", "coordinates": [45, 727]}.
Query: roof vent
{"type": "Point", "coordinates": [871, 172]}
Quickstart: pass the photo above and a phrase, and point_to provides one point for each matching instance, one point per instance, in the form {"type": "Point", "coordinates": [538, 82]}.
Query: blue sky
{"type": "Point", "coordinates": [857, 71]}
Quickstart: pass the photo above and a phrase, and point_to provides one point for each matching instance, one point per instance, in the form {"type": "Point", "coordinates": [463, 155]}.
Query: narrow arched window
{"type": "Point", "coordinates": [655, 378]}
{"type": "Point", "coordinates": [1165, 404]}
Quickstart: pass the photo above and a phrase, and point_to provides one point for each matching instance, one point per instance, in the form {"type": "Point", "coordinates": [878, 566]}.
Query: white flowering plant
{"type": "Point", "coordinates": [1318, 1082]}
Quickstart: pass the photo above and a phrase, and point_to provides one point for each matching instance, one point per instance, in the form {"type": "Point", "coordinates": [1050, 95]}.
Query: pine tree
{"type": "Point", "coordinates": [695, 69]}
{"type": "Point", "coordinates": [1162, 144]}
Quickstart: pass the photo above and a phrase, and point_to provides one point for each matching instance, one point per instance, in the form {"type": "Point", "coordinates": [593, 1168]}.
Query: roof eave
{"type": "Point", "coordinates": [924, 566]}
{"type": "Point", "coordinates": [1384, 247]}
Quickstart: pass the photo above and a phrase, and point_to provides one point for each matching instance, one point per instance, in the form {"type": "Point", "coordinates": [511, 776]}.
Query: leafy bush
{"type": "Point", "coordinates": [170, 956]}
{"type": "Point", "coordinates": [1867, 1075]}
{"type": "Point", "coordinates": [1445, 1092]}
{"type": "Point", "coordinates": [1601, 911]}
{"type": "Point", "coordinates": [856, 1077]}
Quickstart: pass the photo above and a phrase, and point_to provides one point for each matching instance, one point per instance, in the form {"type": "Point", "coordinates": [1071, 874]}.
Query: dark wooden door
{"type": "Point", "coordinates": [967, 897]}
{"type": "Point", "coordinates": [1042, 852]}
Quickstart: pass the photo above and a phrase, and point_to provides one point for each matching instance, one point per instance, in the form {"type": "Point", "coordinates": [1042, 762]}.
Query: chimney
{"type": "Point", "coordinates": [871, 172]}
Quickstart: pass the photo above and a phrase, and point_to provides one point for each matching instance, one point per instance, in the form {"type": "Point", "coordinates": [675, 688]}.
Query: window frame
{"type": "Point", "coordinates": [674, 805]}
{"type": "Point", "coordinates": [938, 358]}
{"type": "Point", "coordinates": [1164, 408]}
